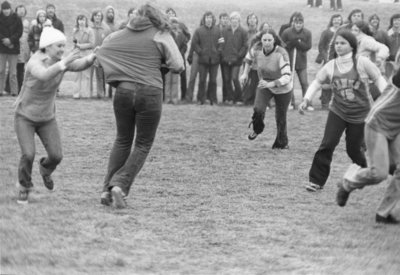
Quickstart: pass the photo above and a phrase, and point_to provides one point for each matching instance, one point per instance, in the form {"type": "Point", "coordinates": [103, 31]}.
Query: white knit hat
{"type": "Point", "coordinates": [50, 36]}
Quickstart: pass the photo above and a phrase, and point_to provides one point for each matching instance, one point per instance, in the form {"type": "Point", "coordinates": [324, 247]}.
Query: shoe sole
{"type": "Point", "coordinates": [22, 202]}
{"type": "Point", "coordinates": [118, 198]}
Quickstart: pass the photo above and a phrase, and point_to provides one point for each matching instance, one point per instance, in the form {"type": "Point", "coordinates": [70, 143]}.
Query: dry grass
{"type": "Point", "coordinates": [207, 201]}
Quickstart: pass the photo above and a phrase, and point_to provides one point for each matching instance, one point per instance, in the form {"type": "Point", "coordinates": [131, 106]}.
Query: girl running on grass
{"type": "Point", "coordinates": [349, 106]}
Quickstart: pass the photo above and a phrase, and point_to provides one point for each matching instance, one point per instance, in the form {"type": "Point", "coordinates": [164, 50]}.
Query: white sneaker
{"type": "Point", "coordinates": [310, 108]}
{"type": "Point", "coordinates": [76, 96]}
{"type": "Point", "coordinates": [290, 107]}
{"type": "Point", "coordinates": [118, 197]}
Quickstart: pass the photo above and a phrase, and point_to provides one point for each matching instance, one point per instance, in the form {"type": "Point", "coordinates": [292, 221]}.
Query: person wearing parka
{"type": "Point", "coordinates": [10, 33]}
{"type": "Point", "coordinates": [233, 52]}
{"type": "Point", "coordinates": [205, 44]}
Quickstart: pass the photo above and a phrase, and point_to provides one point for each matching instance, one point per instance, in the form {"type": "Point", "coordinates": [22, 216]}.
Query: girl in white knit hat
{"type": "Point", "coordinates": [35, 107]}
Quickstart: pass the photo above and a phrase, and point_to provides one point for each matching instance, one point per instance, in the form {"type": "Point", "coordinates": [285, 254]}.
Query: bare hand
{"type": "Point", "coordinates": [221, 40]}
{"type": "Point", "coordinates": [6, 42]}
{"type": "Point", "coordinates": [243, 79]}
{"type": "Point", "coordinates": [72, 56]}
{"type": "Point", "coordinates": [266, 84]}
{"type": "Point", "coordinates": [303, 106]}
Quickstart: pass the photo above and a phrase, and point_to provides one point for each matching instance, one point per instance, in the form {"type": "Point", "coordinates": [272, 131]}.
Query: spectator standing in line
{"type": "Point", "coordinates": [24, 52]}
{"type": "Point", "coordinates": [83, 38]}
{"type": "Point", "coordinates": [182, 29]}
{"type": "Point", "coordinates": [132, 58]}
{"type": "Point", "coordinates": [110, 18]}
{"type": "Point", "coordinates": [11, 29]}
{"type": "Point", "coordinates": [318, 3]}
{"type": "Point", "coordinates": [273, 67]}
{"type": "Point", "coordinates": [287, 25]}
{"type": "Point", "coordinates": [249, 87]}
{"type": "Point", "coordinates": [205, 44]}
{"type": "Point", "coordinates": [37, 26]}
{"type": "Point", "coordinates": [299, 38]}
{"type": "Point", "coordinates": [110, 21]}
{"type": "Point", "coordinates": [326, 36]}
{"type": "Point", "coordinates": [349, 76]}
{"type": "Point", "coordinates": [130, 15]}
{"type": "Point", "coordinates": [172, 78]}
{"type": "Point", "coordinates": [35, 108]}
{"type": "Point", "coordinates": [55, 21]}
{"type": "Point", "coordinates": [380, 35]}
{"type": "Point", "coordinates": [370, 48]}
{"type": "Point", "coordinates": [382, 138]}
{"type": "Point", "coordinates": [233, 52]}
{"type": "Point", "coordinates": [394, 35]}
{"type": "Point", "coordinates": [193, 61]}
{"type": "Point", "coordinates": [222, 24]}
{"type": "Point", "coordinates": [101, 30]}
{"type": "Point", "coordinates": [336, 5]}
{"type": "Point", "coordinates": [354, 16]}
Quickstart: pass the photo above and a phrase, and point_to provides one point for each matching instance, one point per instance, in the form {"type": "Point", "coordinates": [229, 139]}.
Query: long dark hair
{"type": "Point", "coordinates": [351, 38]}
{"type": "Point", "coordinates": [79, 17]}
{"type": "Point", "coordinates": [256, 41]}
{"type": "Point", "coordinates": [394, 16]}
{"type": "Point", "coordinates": [364, 27]}
{"type": "Point", "coordinates": [156, 17]}
{"type": "Point", "coordinates": [337, 15]}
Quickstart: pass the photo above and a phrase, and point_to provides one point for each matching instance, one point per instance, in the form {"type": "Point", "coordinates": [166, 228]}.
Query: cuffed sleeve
{"type": "Point", "coordinates": [170, 51]}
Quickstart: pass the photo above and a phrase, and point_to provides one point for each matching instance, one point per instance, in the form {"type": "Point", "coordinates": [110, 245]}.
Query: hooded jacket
{"type": "Point", "coordinates": [10, 27]}
{"type": "Point", "coordinates": [136, 53]}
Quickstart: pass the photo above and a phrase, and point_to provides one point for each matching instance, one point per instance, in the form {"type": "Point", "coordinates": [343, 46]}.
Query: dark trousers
{"type": "Point", "coordinates": [49, 135]}
{"type": "Point", "coordinates": [263, 96]}
{"type": "Point", "coordinates": [302, 75]}
{"type": "Point", "coordinates": [137, 108]}
{"type": "Point", "coordinates": [317, 3]}
{"type": "Point", "coordinates": [224, 90]}
{"type": "Point", "coordinates": [249, 89]}
{"type": "Point", "coordinates": [183, 85]}
{"type": "Point", "coordinates": [231, 76]}
{"type": "Point", "coordinates": [334, 128]}
{"type": "Point", "coordinates": [212, 71]}
{"type": "Point", "coordinates": [338, 4]}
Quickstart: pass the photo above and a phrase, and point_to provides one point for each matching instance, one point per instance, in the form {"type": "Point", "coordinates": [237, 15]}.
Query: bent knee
{"type": "Point", "coordinates": [378, 175]}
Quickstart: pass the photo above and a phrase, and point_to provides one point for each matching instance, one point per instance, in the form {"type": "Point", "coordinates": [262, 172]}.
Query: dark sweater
{"type": "Point", "coordinates": [11, 28]}
{"type": "Point", "coordinates": [301, 41]}
{"type": "Point", "coordinates": [235, 46]}
{"type": "Point", "coordinates": [205, 44]}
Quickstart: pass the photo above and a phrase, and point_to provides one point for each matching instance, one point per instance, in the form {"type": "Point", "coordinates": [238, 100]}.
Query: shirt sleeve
{"type": "Point", "coordinates": [322, 76]}
{"type": "Point", "coordinates": [170, 51]}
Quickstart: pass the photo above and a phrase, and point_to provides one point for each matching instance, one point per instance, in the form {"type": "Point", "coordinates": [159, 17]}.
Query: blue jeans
{"type": "Point", "coordinates": [49, 135]}
{"type": "Point", "coordinates": [138, 107]}
{"type": "Point", "coordinates": [334, 128]}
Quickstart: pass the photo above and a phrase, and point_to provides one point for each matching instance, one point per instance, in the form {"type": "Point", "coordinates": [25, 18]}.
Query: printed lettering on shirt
{"type": "Point", "coordinates": [346, 87]}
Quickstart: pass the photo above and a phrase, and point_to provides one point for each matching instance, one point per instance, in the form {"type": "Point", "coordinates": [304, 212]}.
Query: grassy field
{"type": "Point", "coordinates": [207, 200]}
